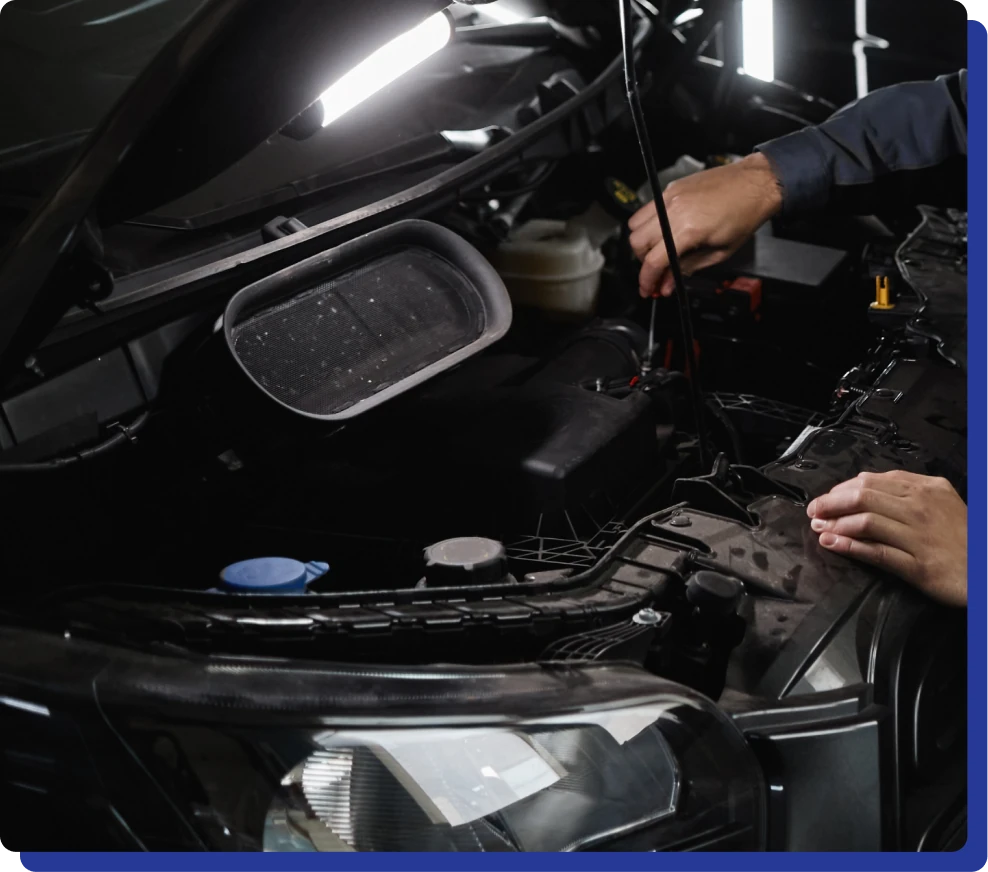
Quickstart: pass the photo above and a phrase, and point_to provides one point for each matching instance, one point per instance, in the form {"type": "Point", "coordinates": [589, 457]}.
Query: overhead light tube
{"type": "Point", "coordinates": [388, 63]}
{"type": "Point", "coordinates": [758, 34]}
{"type": "Point", "coordinates": [686, 17]}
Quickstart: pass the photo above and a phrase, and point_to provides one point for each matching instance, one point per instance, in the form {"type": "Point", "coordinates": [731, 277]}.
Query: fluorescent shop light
{"type": "Point", "coordinates": [388, 63]}
{"type": "Point", "coordinates": [688, 16]}
{"type": "Point", "coordinates": [864, 41]}
{"type": "Point", "coordinates": [758, 33]}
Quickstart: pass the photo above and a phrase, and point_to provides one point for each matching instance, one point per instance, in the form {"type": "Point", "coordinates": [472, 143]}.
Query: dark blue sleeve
{"type": "Point", "coordinates": [903, 145]}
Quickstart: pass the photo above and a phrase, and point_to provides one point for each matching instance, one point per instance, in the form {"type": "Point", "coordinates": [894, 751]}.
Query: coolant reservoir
{"type": "Point", "coordinates": [553, 266]}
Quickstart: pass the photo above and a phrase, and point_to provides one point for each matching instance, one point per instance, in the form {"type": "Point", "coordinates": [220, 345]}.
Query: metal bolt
{"type": "Point", "coordinates": [647, 618]}
{"type": "Point", "coordinates": [680, 521]}
{"type": "Point", "coordinates": [806, 464]}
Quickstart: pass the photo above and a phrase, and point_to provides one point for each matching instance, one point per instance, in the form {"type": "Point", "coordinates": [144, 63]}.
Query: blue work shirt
{"type": "Point", "coordinates": [902, 145]}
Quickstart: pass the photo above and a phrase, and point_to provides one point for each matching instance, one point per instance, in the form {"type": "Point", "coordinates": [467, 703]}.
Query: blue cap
{"type": "Point", "coordinates": [271, 575]}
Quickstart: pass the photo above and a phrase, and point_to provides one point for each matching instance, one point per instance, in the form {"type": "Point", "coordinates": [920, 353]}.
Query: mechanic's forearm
{"type": "Point", "coordinates": [901, 145]}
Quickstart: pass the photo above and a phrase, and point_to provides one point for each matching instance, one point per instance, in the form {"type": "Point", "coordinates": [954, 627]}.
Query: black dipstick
{"type": "Point", "coordinates": [685, 320]}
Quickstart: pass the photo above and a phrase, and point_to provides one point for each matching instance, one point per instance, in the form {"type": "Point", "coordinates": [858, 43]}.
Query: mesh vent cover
{"type": "Point", "coordinates": [340, 342]}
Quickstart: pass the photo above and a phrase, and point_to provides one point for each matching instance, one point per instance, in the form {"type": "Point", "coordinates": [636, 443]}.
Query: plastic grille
{"type": "Point", "coordinates": [344, 340]}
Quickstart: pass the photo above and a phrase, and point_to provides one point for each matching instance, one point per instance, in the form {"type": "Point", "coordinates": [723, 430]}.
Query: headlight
{"type": "Point", "coordinates": [278, 758]}
{"type": "Point", "coordinates": [553, 787]}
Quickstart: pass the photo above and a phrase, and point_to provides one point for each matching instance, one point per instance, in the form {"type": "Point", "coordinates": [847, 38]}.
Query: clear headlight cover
{"type": "Point", "coordinates": [524, 759]}
{"type": "Point", "coordinates": [552, 787]}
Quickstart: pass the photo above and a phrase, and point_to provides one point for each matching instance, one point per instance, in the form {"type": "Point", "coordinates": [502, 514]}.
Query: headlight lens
{"type": "Point", "coordinates": [528, 759]}
{"type": "Point", "coordinates": [553, 787]}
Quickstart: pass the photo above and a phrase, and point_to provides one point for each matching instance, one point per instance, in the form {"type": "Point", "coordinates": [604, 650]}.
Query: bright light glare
{"type": "Point", "coordinates": [758, 32]}
{"type": "Point", "coordinates": [470, 139]}
{"type": "Point", "coordinates": [687, 16]}
{"type": "Point", "coordinates": [502, 14]}
{"type": "Point", "coordinates": [21, 705]}
{"type": "Point", "coordinates": [385, 65]}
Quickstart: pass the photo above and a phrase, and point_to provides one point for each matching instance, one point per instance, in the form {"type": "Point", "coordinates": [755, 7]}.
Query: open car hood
{"type": "Point", "coordinates": [234, 75]}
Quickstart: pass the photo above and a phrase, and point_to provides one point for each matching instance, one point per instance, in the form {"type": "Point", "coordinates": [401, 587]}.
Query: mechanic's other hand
{"type": "Point", "coordinates": [712, 214]}
{"type": "Point", "coordinates": [913, 526]}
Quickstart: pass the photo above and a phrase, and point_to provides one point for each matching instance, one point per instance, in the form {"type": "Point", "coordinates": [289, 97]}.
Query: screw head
{"type": "Point", "coordinates": [647, 618]}
{"type": "Point", "coordinates": [680, 521]}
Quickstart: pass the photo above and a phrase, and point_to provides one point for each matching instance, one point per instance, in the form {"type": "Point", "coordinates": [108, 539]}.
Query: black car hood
{"type": "Point", "coordinates": [236, 74]}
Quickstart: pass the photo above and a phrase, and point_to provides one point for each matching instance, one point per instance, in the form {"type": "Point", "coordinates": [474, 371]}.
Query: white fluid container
{"type": "Point", "coordinates": [553, 266]}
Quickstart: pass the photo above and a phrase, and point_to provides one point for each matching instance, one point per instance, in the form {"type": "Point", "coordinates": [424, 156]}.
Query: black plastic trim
{"type": "Point", "coordinates": [440, 190]}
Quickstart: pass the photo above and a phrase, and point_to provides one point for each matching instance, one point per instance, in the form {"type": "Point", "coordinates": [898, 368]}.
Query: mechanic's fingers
{"type": "Point", "coordinates": [854, 501]}
{"type": "Point", "coordinates": [690, 264]}
{"type": "Point", "coordinates": [899, 475]}
{"type": "Point", "coordinates": [643, 216]}
{"type": "Point", "coordinates": [653, 268]}
{"type": "Point", "coordinates": [870, 527]}
{"type": "Point", "coordinates": [645, 238]}
{"type": "Point", "coordinates": [656, 262]}
{"type": "Point", "coordinates": [890, 484]}
{"type": "Point", "coordinates": [873, 553]}
{"type": "Point", "coordinates": [667, 284]}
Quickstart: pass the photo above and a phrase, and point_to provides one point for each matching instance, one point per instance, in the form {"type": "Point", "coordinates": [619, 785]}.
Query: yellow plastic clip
{"type": "Point", "coordinates": [883, 295]}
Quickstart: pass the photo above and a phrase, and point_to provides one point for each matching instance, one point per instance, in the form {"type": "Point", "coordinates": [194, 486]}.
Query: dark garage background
{"type": "Point", "coordinates": [814, 42]}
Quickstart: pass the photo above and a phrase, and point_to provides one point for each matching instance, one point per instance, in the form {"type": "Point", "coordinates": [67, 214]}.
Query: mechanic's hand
{"type": "Point", "coordinates": [712, 214]}
{"type": "Point", "coordinates": [913, 526]}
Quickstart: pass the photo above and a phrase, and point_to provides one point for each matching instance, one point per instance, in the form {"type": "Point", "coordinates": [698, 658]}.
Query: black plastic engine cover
{"type": "Point", "coordinates": [553, 445]}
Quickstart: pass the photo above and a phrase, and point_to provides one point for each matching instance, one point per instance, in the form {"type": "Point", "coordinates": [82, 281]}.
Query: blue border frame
{"type": "Point", "coordinates": [973, 856]}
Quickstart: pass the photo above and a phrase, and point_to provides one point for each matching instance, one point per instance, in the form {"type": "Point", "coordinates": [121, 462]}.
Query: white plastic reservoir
{"type": "Point", "coordinates": [553, 266]}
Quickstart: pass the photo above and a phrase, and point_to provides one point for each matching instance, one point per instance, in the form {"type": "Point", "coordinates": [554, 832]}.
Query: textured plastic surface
{"type": "Point", "coordinates": [345, 331]}
{"type": "Point", "coordinates": [271, 575]}
{"type": "Point", "coordinates": [340, 342]}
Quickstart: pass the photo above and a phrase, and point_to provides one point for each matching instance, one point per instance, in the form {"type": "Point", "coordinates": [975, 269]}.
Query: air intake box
{"type": "Point", "coordinates": [343, 332]}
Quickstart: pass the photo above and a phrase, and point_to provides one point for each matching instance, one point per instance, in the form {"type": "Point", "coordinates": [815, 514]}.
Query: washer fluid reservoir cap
{"type": "Point", "coordinates": [468, 561]}
{"type": "Point", "coordinates": [271, 575]}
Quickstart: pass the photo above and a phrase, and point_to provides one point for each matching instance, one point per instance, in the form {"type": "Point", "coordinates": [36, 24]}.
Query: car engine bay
{"type": "Point", "coordinates": [551, 493]}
